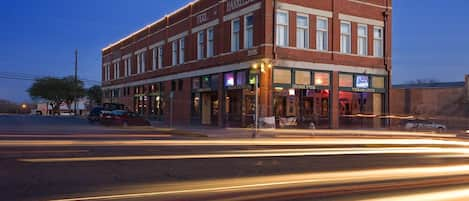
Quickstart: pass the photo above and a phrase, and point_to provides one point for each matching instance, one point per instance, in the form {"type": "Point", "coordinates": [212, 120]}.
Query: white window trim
{"type": "Point", "coordinates": [182, 48]}
{"type": "Point", "coordinates": [246, 31]}
{"type": "Point", "coordinates": [174, 52]}
{"type": "Point", "coordinates": [307, 45]}
{"type": "Point", "coordinates": [323, 30]}
{"type": "Point", "coordinates": [366, 39]}
{"type": "Point", "coordinates": [287, 36]}
{"type": "Point", "coordinates": [200, 46]}
{"type": "Point", "coordinates": [233, 49]}
{"type": "Point", "coordinates": [160, 56]}
{"type": "Point", "coordinates": [349, 50]}
{"type": "Point", "coordinates": [213, 42]}
{"type": "Point", "coordinates": [154, 58]}
{"type": "Point", "coordinates": [381, 54]}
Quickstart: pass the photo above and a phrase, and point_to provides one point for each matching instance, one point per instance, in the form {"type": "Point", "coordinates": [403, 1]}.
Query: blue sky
{"type": "Point", "coordinates": [38, 38]}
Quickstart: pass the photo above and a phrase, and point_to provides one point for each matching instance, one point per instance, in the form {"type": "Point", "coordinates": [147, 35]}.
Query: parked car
{"type": "Point", "coordinates": [467, 131]}
{"type": "Point", "coordinates": [95, 114]}
{"type": "Point", "coordinates": [424, 125]}
{"type": "Point", "coordinates": [122, 118]}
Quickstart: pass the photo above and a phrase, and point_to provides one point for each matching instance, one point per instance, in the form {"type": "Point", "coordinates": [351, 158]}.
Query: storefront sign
{"type": "Point", "coordinates": [139, 95]}
{"type": "Point", "coordinates": [205, 90]}
{"type": "Point", "coordinates": [362, 81]}
{"type": "Point", "coordinates": [154, 94]}
{"type": "Point", "coordinates": [235, 4]}
{"type": "Point", "coordinates": [237, 87]}
{"type": "Point", "coordinates": [299, 86]}
{"type": "Point", "coordinates": [253, 52]}
{"type": "Point", "coordinates": [363, 90]}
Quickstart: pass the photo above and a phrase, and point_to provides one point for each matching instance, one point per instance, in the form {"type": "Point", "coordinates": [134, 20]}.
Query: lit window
{"type": "Point", "coordinates": [378, 42]}
{"type": "Point", "coordinates": [175, 53]}
{"type": "Point", "coordinates": [249, 31]}
{"type": "Point", "coordinates": [345, 37]}
{"type": "Point", "coordinates": [302, 31]}
{"type": "Point", "coordinates": [322, 34]}
{"type": "Point", "coordinates": [200, 45]}
{"type": "Point", "coordinates": [303, 77]}
{"type": "Point", "coordinates": [377, 82]}
{"type": "Point", "coordinates": [182, 46]}
{"type": "Point", "coordinates": [363, 40]}
{"type": "Point", "coordinates": [282, 76]}
{"type": "Point", "coordinates": [241, 78]}
{"type": "Point", "coordinates": [229, 79]}
{"type": "Point", "coordinates": [322, 79]}
{"type": "Point", "coordinates": [235, 27]}
{"type": "Point", "coordinates": [345, 80]}
{"type": "Point", "coordinates": [210, 44]}
{"type": "Point", "coordinates": [282, 29]}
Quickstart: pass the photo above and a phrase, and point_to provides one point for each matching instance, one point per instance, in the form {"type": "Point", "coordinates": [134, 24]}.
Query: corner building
{"type": "Point", "coordinates": [321, 62]}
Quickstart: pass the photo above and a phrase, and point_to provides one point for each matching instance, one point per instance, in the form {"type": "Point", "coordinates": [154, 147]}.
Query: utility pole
{"type": "Point", "coordinates": [76, 82]}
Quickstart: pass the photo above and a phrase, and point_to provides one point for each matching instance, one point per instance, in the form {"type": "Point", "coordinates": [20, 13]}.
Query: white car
{"type": "Point", "coordinates": [423, 125]}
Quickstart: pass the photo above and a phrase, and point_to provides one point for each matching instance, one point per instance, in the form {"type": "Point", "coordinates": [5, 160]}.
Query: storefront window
{"type": "Point", "coordinates": [282, 76]}
{"type": "Point", "coordinates": [241, 78]}
{"type": "Point", "coordinates": [322, 79]}
{"type": "Point", "coordinates": [377, 82]}
{"type": "Point", "coordinates": [303, 77]}
{"type": "Point", "coordinates": [214, 81]}
{"type": "Point", "coordinates": [345, 80]}
{"type": "Point", "coordinates": [229, 79]}
{"type": "Point", "coordinates": [205, 82]}
{"type": "Point", "coordinates": [195, 83]}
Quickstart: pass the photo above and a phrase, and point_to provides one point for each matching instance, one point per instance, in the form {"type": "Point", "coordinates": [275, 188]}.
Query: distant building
{"type": "Point", "coordinates": [439, 100]}
{"type": "Point", "coordinates": [44, 108]}
{"type": "Point", "coordinates": [318, 61]}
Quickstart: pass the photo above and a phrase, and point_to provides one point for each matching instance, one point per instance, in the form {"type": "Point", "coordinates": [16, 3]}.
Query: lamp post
{"type": "Point", "coordinates": [257, 71]}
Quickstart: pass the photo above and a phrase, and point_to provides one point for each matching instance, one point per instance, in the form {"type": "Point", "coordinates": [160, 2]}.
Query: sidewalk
{"type": "Point", "coordinates": [215, 132]}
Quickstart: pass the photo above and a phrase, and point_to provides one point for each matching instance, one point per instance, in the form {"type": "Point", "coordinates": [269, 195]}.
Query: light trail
{"type": "Point", "coordinates": [89, 136]}
{"type": "Point", "coordinates": [232, 142]}
{"type": "Point", "coordinates": [282, 181]}
{"type": "Point", "coordinates": [261, 153]}
{"type": "Point", "coordinates": [445, 195]}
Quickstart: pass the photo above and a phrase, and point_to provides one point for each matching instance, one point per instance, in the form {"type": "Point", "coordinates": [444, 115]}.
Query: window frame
{"type": "Point", "coordinates": [235, 44]}
{"type": "Point", "coordinates": [365, 37]}
{"type": "Point", "coordinates": [349, 38]}
{"type": "Point", "coordinates": [286, 26]}
{"type": "Point", "coordinates": [182, 47]}
{"type": "Point", "coordinates": [246, 29]}
{"type": "Point", "coordinates": [326, 31]}
{"type": "Point", "coordinates": [160, 57]}
{"type": "Point", "coordinates": [210, 42]}
{"type": "Point", "coordinates": [174, 52]}
{"type": "Point", "coordinates": [304, 28]}
{"type": "Point", "coordinates": [200, 45]}
{"type": "Point", "coordinates": [381, 42]}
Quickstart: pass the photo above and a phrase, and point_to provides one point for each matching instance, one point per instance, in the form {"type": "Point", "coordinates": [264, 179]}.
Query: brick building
{"type": "Point", "coordinates": [318, 62]}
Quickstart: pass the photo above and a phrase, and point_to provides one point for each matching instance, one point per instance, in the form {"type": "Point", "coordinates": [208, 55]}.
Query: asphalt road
{"type": "Point", "coordinates": [67, 159]}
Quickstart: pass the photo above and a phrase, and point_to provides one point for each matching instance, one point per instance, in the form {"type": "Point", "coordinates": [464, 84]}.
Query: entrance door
{"type": "Point", "coordinates": [206, 109]}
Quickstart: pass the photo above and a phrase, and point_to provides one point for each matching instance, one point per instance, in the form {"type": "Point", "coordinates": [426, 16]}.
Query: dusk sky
{"type": "Point", "coordinates": [38, 38]}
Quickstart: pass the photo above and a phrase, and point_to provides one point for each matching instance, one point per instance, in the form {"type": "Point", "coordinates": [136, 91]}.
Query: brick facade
{"type": "Point", "coordinates": [203, 14]}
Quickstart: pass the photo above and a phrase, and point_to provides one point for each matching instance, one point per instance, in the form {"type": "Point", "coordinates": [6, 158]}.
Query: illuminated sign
{"type": "Point", "coordinates": [362, 81]}
{"type": "Point", "coordinates": [229, 79]}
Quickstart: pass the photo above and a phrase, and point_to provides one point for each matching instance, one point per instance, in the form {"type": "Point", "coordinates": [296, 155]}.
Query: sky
{"type": "Point", "coordinates": [38, 38]}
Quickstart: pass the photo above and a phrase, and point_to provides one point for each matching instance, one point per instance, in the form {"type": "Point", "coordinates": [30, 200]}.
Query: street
{"type": "Point", "coordinates": [61, 159]}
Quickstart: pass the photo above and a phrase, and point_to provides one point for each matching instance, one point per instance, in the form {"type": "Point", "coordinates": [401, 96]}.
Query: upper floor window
{"type": "Point", "coordinates": [174, 53]}
{"type": "Point", "coordinates": [200, 45]}
{"type": "Point", "coordinates": [345, 37]}
{"type": "Point", "coordinates": [210, 43]}
{"type": "Point", "coordinates": [154, 58]}
{"type": "Point", "coordinates": [282, 28]}
{"type": "Point", "coordinates": [249, 31]}
{"type": "Point", "coordinates": [378, 42]}
{"type": "Point", "coordinates": [235, 28]}
{"type": "Point", "coordinates": [362, 40]}
{"type": "Point", "coordinates": [302, 31]}
{"type": "Point", "coordinates": [141, 62]}
{"type": "Point", "coordinates": [182, 46]}
{"type": "Point", "coordinates": [322, 38]}
{"type": "Point", "coordinates": [107, 72]}
{"type": "Point", "coordinates": [116, 70]}
{"type": "Point", "coordinates": [127, 67]}
{"type": "Point", "coordinates": [160, 57]}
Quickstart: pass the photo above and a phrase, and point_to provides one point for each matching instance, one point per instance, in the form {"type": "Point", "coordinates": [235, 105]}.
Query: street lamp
{"type": "Point", "coordinates": [257, 71]}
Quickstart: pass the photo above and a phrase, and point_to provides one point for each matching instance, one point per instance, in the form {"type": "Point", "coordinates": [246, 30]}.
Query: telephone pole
{"type": "Point", "coordinates": [76, 82]}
